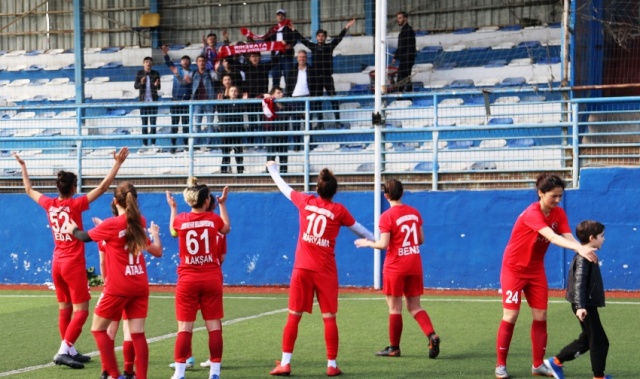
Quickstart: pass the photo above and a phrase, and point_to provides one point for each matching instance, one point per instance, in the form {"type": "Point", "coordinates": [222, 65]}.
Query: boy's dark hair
{"type": "Point", "coordinates": [403, 13]}
{"type": "Point", "coordinates": [147, 59]}
{"type": "Point", "coordinates": [322, 31]}
{"type": "Point", "coordinates": [186, 57]}
{"type": "Point", "coordinates": [274, 89]}
{"type": "Point", "coordinates": [212, 35]}
{"type": "Point", "coordinates": [547, 182]}
{"type": "Point", "coordinates": [588, 228]}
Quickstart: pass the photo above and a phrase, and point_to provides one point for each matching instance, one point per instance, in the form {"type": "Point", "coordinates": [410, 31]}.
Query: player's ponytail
{"type": "Point", "coordinates": [195, 195]}
{"type": "Point", "coordinates": [327, 184]}
{"type": "Point", "coordinates": [127, 197]}
{"type": "Point", "coordinates": [393, 189]}
{"type": "Point", "coordinates": [66, 183]}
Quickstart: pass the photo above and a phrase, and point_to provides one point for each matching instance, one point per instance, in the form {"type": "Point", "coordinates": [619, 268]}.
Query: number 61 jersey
{"type": "Point", "coordinates": [403, 223]}
{"type": "Point", "coordinates": [199, 244]}
{"type": "Point", "coordinates": [320, 222]}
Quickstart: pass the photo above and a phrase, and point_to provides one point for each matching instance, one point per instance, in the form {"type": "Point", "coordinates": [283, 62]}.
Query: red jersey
{"type": "Point", "coordinates": [526, 248]}
{"type": "Point", "coordinates": [127, 273]}
{"type": "Point", "coordinates": [198, 245]}
{"type": "Point", "coordinates": [320, 222]}
{"type": "Point", "coordinates": [59, 212]}
{"type": "Point", "coordinates": [403, 253]}
{"type": "Point", "coordinates": [222, 246]}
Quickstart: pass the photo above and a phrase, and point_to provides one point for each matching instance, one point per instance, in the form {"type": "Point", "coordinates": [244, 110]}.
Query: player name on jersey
{"type": "Point", "coordinates": [134, 270]}
{"type": "Point", "coordinates": [198, 259]}
{"type": "Point", "coordinates": [409, 250]}
{"type": "Point", "coordinates": [315, 240]}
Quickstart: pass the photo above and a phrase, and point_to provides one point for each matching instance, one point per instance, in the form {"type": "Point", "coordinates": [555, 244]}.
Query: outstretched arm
{"type": "Point", "coordinates": [569, 242]}
{"type": "Point", "coordinates": [71, 227]}
{"type": "Point", "coordinates": [155, 248]}
{"type": "Point", "coordinates": [361, 231]}
{"type": "Point", "coordinates": [120, 157]}
{"type": "Point", "coordinates": [174, 212]}
{"type": "Point", "coordinates": [380, 244]}
{"type": "Point", "coordinates": [222, 201]}
{"type": "Point", "coordinates": [35, 195]}
{"type": "Point", "coordinates": [275, 175]}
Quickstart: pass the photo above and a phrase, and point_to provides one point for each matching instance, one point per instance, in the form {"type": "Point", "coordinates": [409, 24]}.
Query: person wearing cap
{"type": "Point", "coordinates": [282, 61]}
{"type": "Point", "coordinates": [322, 55]}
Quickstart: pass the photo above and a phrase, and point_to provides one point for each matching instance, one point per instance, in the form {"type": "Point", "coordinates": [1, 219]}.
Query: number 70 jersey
{"type": "Point", "coordinates": [403, 223]}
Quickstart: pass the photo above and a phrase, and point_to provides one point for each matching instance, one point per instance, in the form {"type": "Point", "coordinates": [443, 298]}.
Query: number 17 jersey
{"type": "Point", "coordinates": [403, 224]}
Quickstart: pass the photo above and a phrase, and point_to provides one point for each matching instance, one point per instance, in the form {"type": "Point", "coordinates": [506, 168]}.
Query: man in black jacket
{"type": "Point", "coordinates": [148, 83]}
{"type": "Point", "coordinates": [256, 84]}
{"type": "Point", "coordinates": [406, 52]}
{"type": "Point", "coordinates": [322, 55]}
{"type": "Point", "coordinates": [302, 81]}
{"type": "Point", "coordinates": [282, 62]}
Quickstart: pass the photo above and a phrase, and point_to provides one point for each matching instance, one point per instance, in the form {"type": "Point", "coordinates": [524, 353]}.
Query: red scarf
{"type": "Point", "coordinates": [269, 109]}
{"type": "Point", "coordinates": [259, 47]}
{"type": "Point", "coordinates": [276, 28]}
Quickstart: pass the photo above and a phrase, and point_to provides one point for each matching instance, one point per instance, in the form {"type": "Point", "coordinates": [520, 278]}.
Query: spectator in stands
{"type": "Point", "coordinates": [256, 83]}
{"type": "Point", "coordinates": [276, 122]}
{"type": "Point", "coordinates": [322, 54]}
{"type": "Point", "coordinates": [230, 66]}
{"type": "Point", "coordinates": [282, 62]}
{"type": "Point", "coordinates": [148, 83]}
{"type": "Point", "coordinates": [181, 92]}
{"type": "Point", "coordinates": [203, 88]}
{"type": "Point", "coordinates": [210, 50]}
{"type": "Point", "coordinates": [226, 83]}
{"type": "Point", "coordinates": [302, 82]}
{"type": "Point", "coordinates": [231, 116]}
{"type": "Point", "coordinates": [406, 52]}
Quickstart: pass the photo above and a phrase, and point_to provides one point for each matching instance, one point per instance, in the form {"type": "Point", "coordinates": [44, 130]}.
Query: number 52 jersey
{"type": "Point", "coordinates": [59, 212]}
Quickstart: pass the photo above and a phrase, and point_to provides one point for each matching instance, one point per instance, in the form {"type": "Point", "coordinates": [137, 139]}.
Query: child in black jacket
{"type": "Point", "coordinates": [585, 292]}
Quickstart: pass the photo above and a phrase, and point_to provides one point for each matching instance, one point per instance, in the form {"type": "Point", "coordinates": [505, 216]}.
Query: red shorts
{"type": "Point", "coordinates": [114, 307]}
{"type": "Point", "coordinates": [70, 280]}
{"type": "Point", "coordinates": [402, 285]}
{"type": "Point", "coordinates": [305, 283]}
{"type": "Point", "coordinates": [203, 294]}
{"type": "Point", "coordinates": [534, 287]}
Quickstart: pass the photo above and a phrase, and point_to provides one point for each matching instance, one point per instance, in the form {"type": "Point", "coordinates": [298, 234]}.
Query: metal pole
{"type": "Point", "coordinates": [78, 43]}
{"type": "Point", "coordinates": [576, 148]}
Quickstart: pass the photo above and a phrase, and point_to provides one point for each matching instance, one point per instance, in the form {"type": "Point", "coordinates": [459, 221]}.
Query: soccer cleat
{"type": "Point", "coordinates": [214, 376]}
{"type": "Point", "coordinates": [104, 375]}
{"type": "Point", "coordinates": [542, 370]}
{"type": "Point", "coordinates": [81, 358]}
{"type": "Point", "coordinates": [175, 377]}
{"type": "Point", "coordinates": [190, 363]}
{"type": "Point", "coordinates": [389, 351]}
{"type": "Point", "coordinates": [206, 363]}
{"type": "Point", "coordinates": [557, 370]}
{"type": "Point", "coordinates": [501, 372]}
{"type": "Point", "coordinates": [67, 360]}
{"type": "Point", "coordinates": [129, 375]}
{"type": "Point", "coordinates": [434, 346]}
{"type": "Point", "coordinates": [333, 371]}
{"type": "Point", "coordinates": [280, 370]}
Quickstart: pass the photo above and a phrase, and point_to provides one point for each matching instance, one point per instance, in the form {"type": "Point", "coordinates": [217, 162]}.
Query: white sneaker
{"type": "Point", "coordinates": [501, 372]}
{"type": "Point", "coordinates": [190, 363]}
{"type": "Point", "coordinates": [206, 363]}
{"type": "Point", "coordinates": [542, 370]}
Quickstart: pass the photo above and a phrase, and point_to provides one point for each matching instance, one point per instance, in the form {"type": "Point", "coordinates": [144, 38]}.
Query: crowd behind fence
{"type": "Point", "coordinates": [427, 138]}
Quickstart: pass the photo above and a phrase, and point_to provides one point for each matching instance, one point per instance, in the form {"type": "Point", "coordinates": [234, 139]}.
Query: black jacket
{"type": "Point", "coordinates": [153, 77]}
{"type": "Point", "coordinates": [312, 80]}
{"type": "Point", "coordinates": [584, 285]}
{"type": "Point", "coordinates": [256, 78]}
{"type": "Point", "coordinates": [406, 52]}
{"type": "Point", "coordinates": [288, 37]}
{"type": "Point", "coordinates": [322, 55]}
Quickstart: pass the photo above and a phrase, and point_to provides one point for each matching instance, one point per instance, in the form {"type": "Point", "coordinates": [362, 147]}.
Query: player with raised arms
{"type": "Point", "coordinates": [199, 274]}
{"type": "Point", "coordinates": [127, 289]}
{"type": "Point", "coordinates": [314, 271]}
{"type": "Point", "coordinates": [401, 234]}
{"type": "Point", "coordinates": [541, 224]}
{"type": "Point", "coordinates": [68, 266]}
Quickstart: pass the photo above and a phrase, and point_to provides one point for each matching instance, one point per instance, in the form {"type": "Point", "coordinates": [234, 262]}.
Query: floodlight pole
{"type": "Point", "coordinates": [377, 120]}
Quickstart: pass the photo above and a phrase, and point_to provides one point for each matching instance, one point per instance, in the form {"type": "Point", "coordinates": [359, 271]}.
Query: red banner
{"type": "Point", "coordinates": [259, 47]}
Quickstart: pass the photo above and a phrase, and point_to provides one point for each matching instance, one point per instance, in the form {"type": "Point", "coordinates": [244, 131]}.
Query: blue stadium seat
{"type": "Point", "coordinates": [511, 28]}
{"type": "Point", "coordinates": [125, 131]}
{"type": "Point", "coordinates": [420, 33]}
{"type": "Point", "coordinates": [112, 65]}
{"type": "Point", "coordinates": [10, 172]}
{"type": "Point", "coordinates": [33, 53]}
{"type": "Point", "coordinates": [39, 82]}
{"type": "Point", "coordinates": [464, 31]}
{"type": "Point", "coordinates": [445, 66]}
{"type": "Point", "coordinates": [353, 147]}
{"type": "Point", "coordinates": [528, 44]}
{"type": "Point", "coordinates": [365, 167]}
{"type": "Point", "coordinates": [34, 67]}
{"type": "Point", "coordinates": [496, 63]}
{"type": "Point", "coordinates": [424, 166]}
{"type": "Point", "coordinates": [6, 132]}
{"type": "Point", "coordinates": [478, 48]}
{"type": "Point", "coordinates": [431, 49]}
{"type": "Point", "coordinates": [71, 66]}
{"type": "Point", "coordinates": [177, 47]}
{"type": "Point", "coordinates": [549, 60]}
{"type": "Point", "coordinates": [2, 52]}
{"type": "Point", "coordinates": [474, 100]}
{"type": "Point", "coordinates": [533, 99]}
{"type": "Point", "coordinates": [555, 25]}
{"type": "Point", "coordinates": [116, 112]}
{"type": "Point", "coordinates": [459, 144]}
{"type": "Point", "coordinates": [521, 142]}
{"type": "Point", "coordinates": [500, 121]}
{"type": "Point", "coordinates": [109, 50]}
{"type": "Point", "coordinates": [462, 83]}
{"type": "Point", "coordinates": [514, 81]}
{"type": "Point", "coordinates": [50, 132]}
{"type": "Point", "coordinates": [422, 102]}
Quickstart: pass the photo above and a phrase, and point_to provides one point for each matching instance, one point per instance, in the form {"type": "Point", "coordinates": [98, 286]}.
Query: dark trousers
{"type": "Point", "coordinates": [593, 339]}
{"type": "Point", "coordinates": [404, 71]}
{"type": "Point", "coordinates": [254, 111]}
{"type": "Point", "coordinates": [179, 113]}
{"type": "Point", "coordinates": [148, 118]}
{"type": "Point", "coordinates": [325, 83]}
{"type": "Point", "coordinates": [297, 120]}
{"type": "Point", "coordinates": [278, 144]}
{"type": "Point", "coordinates": [228, 144]}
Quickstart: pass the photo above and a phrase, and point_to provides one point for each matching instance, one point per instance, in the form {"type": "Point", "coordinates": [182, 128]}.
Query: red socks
{"type": "Point", "coordinates": [422, 318]}
{"type": "Point", "coordinates": [75, 326]}
{"type": "Point", "coordinates": [331, 337]}
{"type": "Point", "coordinates": [395, 329]}
{"type": "Point", "coordinates": [290, 333]}
{"type": "Point", "coordinates": [129, 355]}
{"type": "Point", "coordinates": [64, 318]}
{"type": "Point", "coordinates": [107, 354]}
{"type": "Point", "coordinates": [503, 342]}
{"type": "Point", "coordinates": [538, 341]}
{"type": "Point", "coordinates": [142, 354]}
{"type": "Point", "coordinates": [182, 349]}
{"type": "Point", "coordinates": [215, 345]}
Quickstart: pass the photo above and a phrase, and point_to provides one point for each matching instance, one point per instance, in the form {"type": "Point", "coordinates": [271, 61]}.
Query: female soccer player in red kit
{"type": "Point", "coordinates": [127, 287]}
{"type": "Point", "coordinates": [401, 234]}
{"type": "Point", "coordinates": [199, 276]}
{"type": "Point", "coordinates": [314, 270]}
{"type": "Point", "coordinates": [542, 223]}
{"type": "Point", "coordinates": [68, 267]}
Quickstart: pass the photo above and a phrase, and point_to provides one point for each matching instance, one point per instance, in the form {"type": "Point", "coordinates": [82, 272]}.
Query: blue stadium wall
{"type": "Point", "coordinates": [466, 232]}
